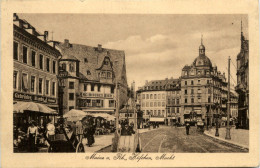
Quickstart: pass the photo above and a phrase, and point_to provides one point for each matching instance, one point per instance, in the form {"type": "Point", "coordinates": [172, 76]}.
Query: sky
{"type": "Point", "coordinates": [156, 46]}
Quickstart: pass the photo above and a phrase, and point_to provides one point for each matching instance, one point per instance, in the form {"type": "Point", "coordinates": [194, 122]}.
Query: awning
{"type": "Point", "coordinates": [20, 107]}
{"type": "Point", "coordinates": [104, 115]}
{"type": "Point", "coordinates": [155, 119]}
{"type": "Point", "coordinates": [99, 110]}
{"type": "Point", "coordinates": [75, 115]}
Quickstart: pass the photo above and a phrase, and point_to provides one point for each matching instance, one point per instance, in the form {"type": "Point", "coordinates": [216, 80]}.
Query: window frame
{"type": "Point", "coordinates": [47, 64]}
{"type": "Point", "coordinates": [47, 89]}
{"type": "Point", "coordinates": [17, 79]}
{"type": "Point", "coordinates": [41, 66]}
{"type": "Point", "coordinates": [42, 87]}
{"type": "Point", "coordinates": [17, 50]}
{"type": "Point", "coordinates": [26, 54]}
{"type": "Point", "coordinates": [70, 98]}
{"type": "Point", "coordinates": [34, 58]}
{"type": "Point", "coordinates": [34, 87]}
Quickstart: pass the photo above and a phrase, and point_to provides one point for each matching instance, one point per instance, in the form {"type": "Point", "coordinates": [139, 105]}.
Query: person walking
{"type": "Point", "coordinates": [32, 133]}
{"type": "Point", "coordinates": [79, 130]}
{"type": "Point", "coordinates": [50, 133]}
{"type": "Point", "coordinates": [187, 128]}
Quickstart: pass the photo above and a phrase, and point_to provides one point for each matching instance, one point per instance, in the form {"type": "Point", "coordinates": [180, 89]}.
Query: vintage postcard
{"type": "Point", "coordinates": [130, 84]}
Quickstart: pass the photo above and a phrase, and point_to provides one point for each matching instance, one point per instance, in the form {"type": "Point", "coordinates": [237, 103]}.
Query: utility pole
{"type": "Point", "coordinates": [228, 103]}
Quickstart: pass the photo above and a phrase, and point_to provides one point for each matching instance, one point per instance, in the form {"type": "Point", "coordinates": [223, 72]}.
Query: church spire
{"type": "Point", "coordinates": [201, 39]}
{"type": "Point", "coordinates": [202, 47]}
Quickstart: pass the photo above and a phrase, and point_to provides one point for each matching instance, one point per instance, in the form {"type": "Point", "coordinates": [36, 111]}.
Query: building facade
{"type": "Point", "coordinates": [242, 87]}
{"type": "Point", "coordinates": [203, 90]}
{"type": "Point", "coordinates": [92, 75]}
{"type": "Point", "coordinates": [35, 65]}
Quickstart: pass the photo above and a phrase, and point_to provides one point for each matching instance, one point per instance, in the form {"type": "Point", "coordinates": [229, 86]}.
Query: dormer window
{"type": "Point", "coordinates": [109, 75]}
{"type": "Point", "coordinates": [88, 72]}
{"type": "Point", "coordinates": [103, 74]}
{"type": "Point", "coordinates": [71, 67]}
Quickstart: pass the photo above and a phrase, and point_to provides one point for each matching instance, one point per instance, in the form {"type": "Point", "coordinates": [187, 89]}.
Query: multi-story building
{"type": "Point", "coordinates": [173, 105]}
{"type": "Point", "coordinates": [202, 87]}
{"type": "Point", "coordinates": [233, 105]}
{"type": "Point", "coordinates": [92, 74]}
{"type": "Point", "coordinates": [35, 68]}
{"type": "Point", "coordinates": [243, 82]}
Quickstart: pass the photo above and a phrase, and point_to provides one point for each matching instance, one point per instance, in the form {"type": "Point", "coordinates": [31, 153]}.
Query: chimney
{"type": "Point", "coordinates": [99, 47]}
{"type": "Point", "coordinates": [46, 36]}
{"type": "Point", "coordinates": [66, 43]}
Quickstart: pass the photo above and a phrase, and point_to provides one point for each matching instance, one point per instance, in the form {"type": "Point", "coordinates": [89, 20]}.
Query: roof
{"type": "Point", "coordinates": [162, 84]}
{"type": "Point", "coordinates": [202, 60]}
{"type": "Point", "coordinates": [92, 59]}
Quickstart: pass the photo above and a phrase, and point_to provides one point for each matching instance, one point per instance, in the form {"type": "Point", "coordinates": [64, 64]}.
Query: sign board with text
{"type": "Point", "coordinates": [34, 98]}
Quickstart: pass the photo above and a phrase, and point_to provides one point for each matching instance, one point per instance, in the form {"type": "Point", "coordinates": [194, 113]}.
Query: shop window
{"type": "Point", "coordinates": [40, 85]}
{"type": "Point", "coordinates": [88, 103]}
{"type": "Point", "coordinates": [53, 89]}
{"type": "Point", "coordinates": [25, 82]}
{"type": "Point", "coordinates": [15, 50]}
{"type": "Point", "coordinates": [54, 67]}
{"type": "Point", "coordinates": [33, 58]}
{"type": "Point", "coordinates": [25, 54]}
{"type": "Point", "coordinates": [47, 87]}
{"type": "Point", "coordinates": [15, 79]}
{"type": "Point", "coordinates": [32, 84]}
{"type": "Point", "coordinates": [71, 85]}
{"type": "Point", "coordinates": [71, 96]}
{"type": "Point", "coordinates": [41, 61]}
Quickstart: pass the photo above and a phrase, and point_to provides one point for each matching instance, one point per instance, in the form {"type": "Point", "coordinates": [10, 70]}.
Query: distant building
{"type": "Point", "coordinates": [92, 76]}
{"type": "Point", "coordinates": [203, 90]}
{"type": "Point", "coordinates": [35, 65]}
{"type": "Point", "coordinates": [243, 82]}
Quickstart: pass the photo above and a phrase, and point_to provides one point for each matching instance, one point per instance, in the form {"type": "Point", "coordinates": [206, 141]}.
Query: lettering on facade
{"type": "Point", "coordinates": [36, 98]}
{"type": "Point", "coordinates": [105, 95]}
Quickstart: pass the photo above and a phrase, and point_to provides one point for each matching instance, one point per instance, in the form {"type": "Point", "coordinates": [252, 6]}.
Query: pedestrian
{"type": "Point", "coordinates": [32, 133]}
{"type": "Point", "coordinates": [187, 128]}
{"type": "Point", "coordinates": [50, 130]}
{"type": "Point", "coordinates": [79, 130]}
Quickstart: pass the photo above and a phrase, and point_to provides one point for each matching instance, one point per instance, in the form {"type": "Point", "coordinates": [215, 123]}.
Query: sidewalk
{"type": "Point", "coordinates": [239, 137]}
{"type": "Point", "coordinates": [101, 141]}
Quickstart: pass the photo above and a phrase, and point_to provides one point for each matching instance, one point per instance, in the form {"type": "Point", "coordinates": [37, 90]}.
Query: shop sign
{"type": "Point", "coordinates": [96, 95]}
{"type": "Point", "coordinates": [36, 98]}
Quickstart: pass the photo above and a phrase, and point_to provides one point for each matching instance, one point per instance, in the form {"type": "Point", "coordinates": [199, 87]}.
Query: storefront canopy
{"type": "Point", "coordinates": [104, 115]}
{"type": "Point", "coordinates": [75, 115]}
{"type": "Point", "coordinates": [20, 107]}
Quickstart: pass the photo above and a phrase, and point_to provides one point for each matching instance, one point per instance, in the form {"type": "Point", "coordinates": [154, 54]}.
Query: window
{"type": "Point", "coordinates": [48, 64]}
{"type": "Point", "coordinates": [155, 104]}
{"type": "Point", "coordinates": [199, 91]}
{"type": "Point", "coordinates": [106, 61]}
{"type": "Point", "coordinates": [185, 82]}
{"type": "Point", "coordinates": [155, 112]}
{"type": "Point", "coordinates": [147, 104]}
{"type": "Point", "coordinates": [24, 82]}
{"type": "Point", "coordinates": [25, 50]}
{"type": "Point", "coordinates": [198, 82]}
{"type": "Point", "coordinates": [163, 96]}
{"type": "Point", "coordinates": [47, 87]}
{"type": "Point", "coordinates": [71, 85]}
{"type": "Point", "coordinates": [112, 89]}
{"type": "Point", "coordinates": [159, 112]}
{"type": "Point", "coordinates": [15, 52]}
{"type": "Point", "coordinates": [71, 67]}
{"type": "Point", "coordinates": [15, 79]}
{"type": "Point", "coordinates": [208, 81]}
{"type": "Point", "coordinates": [99, 103]}
{"type": "Point", "coordinates": [71, 96]}
{"type": "Point", "coordinates": [209, 91]}
{"type": "Point", "coordinates": [163, 104]}
{"type": "Point", "coordinates": [99, 88]}
{"type": "Point", "coordinates": [143, 104]}
{"type": "Point", "coordinates": [85, 87]}
{"type": "Point", "coordinates": [178, 110]}
{"type": "Point", "coordinates": [162, 112]}
{"type": "Point", "coordinates": [209, 100]}
{"type": "Point", "coordinates": [185, 91]}
{"type": "Point", "coordinates": [54, 67]}
{"type": "Point", "coordinates": [159, 104]}
{"type": "Point", "coordinates": [173, 101]}
{"type": "Point", "coordinates": [151, 96]}
{"type": "Point", "coordinates": [173, 109]}
{"type": "Point", "coordinates": [147, 96]}
{"type": "Point", "coordinates": [85, 60]}
{"type": "Point", "coordinates": [143, 96]}
{"type": "Point", "coordinates": [92, 87]}
{"type": "Point", "coordinates": [71, 107]}
{"type": "Point", "coordinates": [151, 104]}
{"type": "Point", "coordinates": [88, 103]}
{"type": "Point", "coordinates": [192, 100]}
{"type": "Point", "coordinates": [109, 75]}
{"type": "Point", "coordinates": [33, 58]}
{"type": "Point", "coordinates": [111, 103]}
{"type": "Point", "coordinates": [40, 85]}
{"type": "Point", "coordinates": [88, 72]}
{"type": "Point", "coordinates": [41, 61]}
{"type": "Point", "coordinates": [192, 91]}
{"type": "Point", "coordinates": [155, 97]}
{"type": "Point", "coordinates": [32, 83]}
{"type": "Point", "coordinates": [63, 67]}
{"type": "Point", "coordinates": [186, 100]}
{"type": "Point", "coordinates": [53, 89]}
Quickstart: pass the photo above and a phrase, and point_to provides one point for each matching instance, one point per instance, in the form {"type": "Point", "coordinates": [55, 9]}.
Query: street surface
{"type": "Point", "coordinates": [171, 139]}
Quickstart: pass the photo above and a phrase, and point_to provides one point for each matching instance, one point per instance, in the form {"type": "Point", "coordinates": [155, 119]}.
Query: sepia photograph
{"type": "Point", "coordinates": [130, 87]}
{"type": "Point", "coordinates": [188, 91]}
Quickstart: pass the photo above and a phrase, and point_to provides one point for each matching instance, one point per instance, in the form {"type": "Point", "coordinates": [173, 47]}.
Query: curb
{"type": "Point", "coordinates": [243, 147]}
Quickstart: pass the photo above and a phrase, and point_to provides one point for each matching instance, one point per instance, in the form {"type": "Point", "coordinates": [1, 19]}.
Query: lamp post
{"type": "Point", "coordinates": [217, 116]}
{"type": "Point", "coordinates": [61, 82]}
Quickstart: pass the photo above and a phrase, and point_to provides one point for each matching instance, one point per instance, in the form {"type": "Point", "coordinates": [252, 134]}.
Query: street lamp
{"type": "Point", "coordinates": [217, 116]}
{"type": "Point", "coordinates": [61, 92]}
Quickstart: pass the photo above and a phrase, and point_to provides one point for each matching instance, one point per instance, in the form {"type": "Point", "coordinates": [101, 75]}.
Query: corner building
{"type": "Point", "coordinates": [203, 90]}
{"type": "Point", "coordinates": [92, 76]}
